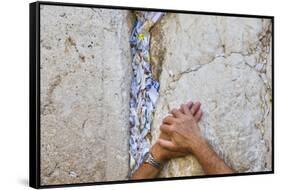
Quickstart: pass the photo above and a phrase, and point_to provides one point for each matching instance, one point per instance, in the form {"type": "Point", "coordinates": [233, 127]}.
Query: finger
{"type": "Point", "coordinates": [166, 128]}
{"type": "Point", "coordinates": [164, 135]}
{"type": "Point", "coordinates": [169, 120]}
{"type": "Point", "coordinates": [176, 113]}
{"type": "Point", "coordinates": [188, 104]}
{"type": "Point", "coordinates": [195, 108]}
{"type": "Point", "coordinates": [181, 110]}
{"type": "Point", "coordinates": [167, 144]}
{"type": "Point", "coordinates": [185, 109]}
{"type": "Point", "coordinates": [198, 115]}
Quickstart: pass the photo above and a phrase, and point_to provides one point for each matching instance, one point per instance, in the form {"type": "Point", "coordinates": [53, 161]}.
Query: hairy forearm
{"type": "Point", "coordinates": [210, 161]}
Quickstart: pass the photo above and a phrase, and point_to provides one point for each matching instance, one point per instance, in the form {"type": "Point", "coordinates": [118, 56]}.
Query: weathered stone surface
{"type": "Point", "coordinates": [218, 61]}
{"type": "Point", "coordinates": [85, 79]}
{"type": "Point", "coordinates": [224, 62]}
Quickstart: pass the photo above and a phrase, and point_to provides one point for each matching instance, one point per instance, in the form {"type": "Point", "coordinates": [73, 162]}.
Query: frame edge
{"type": "Point", "coordinates": [34, 138]}
{"type": "Point", "coordinates": [34, 96]}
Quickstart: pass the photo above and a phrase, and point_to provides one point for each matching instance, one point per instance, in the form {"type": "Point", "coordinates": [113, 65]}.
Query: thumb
{"type": "Point", "coordinates": [167, 144]}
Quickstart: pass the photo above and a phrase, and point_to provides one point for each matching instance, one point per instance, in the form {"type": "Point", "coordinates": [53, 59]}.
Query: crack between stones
{"type": "Point", "coordinates": [144, 87]}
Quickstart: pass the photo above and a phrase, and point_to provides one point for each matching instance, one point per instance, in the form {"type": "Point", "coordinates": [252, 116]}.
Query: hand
{"type": "Point", "coordinates": [162, 154]}
{"type": "Point", "coordinates": [182, 130]}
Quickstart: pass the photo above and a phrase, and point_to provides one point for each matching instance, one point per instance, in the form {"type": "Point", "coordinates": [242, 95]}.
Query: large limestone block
{"type": "Point", "coordinates": [85, 84]}
{"type": "Point", "coordinates": [225, 63]}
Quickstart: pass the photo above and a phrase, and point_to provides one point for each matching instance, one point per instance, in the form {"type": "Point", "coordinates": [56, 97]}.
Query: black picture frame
{"type": "Point", "coordinates": [34, 92]}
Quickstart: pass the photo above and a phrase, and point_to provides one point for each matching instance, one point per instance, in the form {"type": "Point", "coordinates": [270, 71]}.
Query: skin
{"type": "Point", "coordinates": [180, 135]}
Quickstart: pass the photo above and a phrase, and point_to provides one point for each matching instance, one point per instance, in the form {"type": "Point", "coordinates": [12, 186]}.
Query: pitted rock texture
{"type": "Point", "coordinates": [225, 63]}
{"type": "Point", "coordinates": [85, 72]}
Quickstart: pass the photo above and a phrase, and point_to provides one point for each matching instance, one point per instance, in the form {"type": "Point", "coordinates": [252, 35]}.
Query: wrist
{"type": "Point", "coordinates": [200, 146]}
{"type": "Point", "coordinates": [157, 153]}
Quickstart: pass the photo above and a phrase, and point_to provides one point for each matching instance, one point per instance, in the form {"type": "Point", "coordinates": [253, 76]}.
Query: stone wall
{"type": "Point", "coordinates": [85, 79]}
{"type": "Point", "coordinates": [225, 63]}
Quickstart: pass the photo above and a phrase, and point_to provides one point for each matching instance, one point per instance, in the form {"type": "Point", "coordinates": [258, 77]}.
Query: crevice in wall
{"type": "Point", "coordinates": [144, 87]}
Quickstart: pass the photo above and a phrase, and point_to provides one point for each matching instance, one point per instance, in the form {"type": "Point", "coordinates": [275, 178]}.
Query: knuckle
{"type": "Point", "coordinates": [172, 129]}
{"type": "Point", "coordinates": [177, 121]}
{"type": "Point", "coordinates": [169, 116]}
{"type": "Point", "coordinates": [188, 117]}
{"type": "Point", "coordinates": [165, 118]}
{"type": "Point", "coordinates": [181, 120]}
{"type": "Point", "coordinates": [174, 110]}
